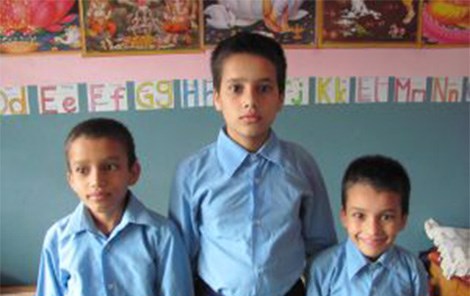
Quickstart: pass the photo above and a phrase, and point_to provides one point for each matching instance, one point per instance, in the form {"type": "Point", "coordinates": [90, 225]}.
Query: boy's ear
{"type": "Point", "coordinates": [404, 219]}
{"type": "Point", "coordinates": [342, 216]}
{"type": "Point", "coordinates": [282, 97]}
{"type": "Point", "coordinates": [70, 180]}
{"type": "Point", "coordinates": [216, 99]}
{"type": "Point", "coordinates": [135, 173]}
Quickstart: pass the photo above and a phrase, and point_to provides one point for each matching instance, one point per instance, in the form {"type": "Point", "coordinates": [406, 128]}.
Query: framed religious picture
{"type": "Point", "coordinates": [446, 23]}
{"type": "Point", "coordinates": [140, 26]}
{"type": "Point", "coordinates": [32, 26]}
{"type": "Point", "coordinates": [368, 23]}
{"type": "Point", "coordinates": [291, 22]}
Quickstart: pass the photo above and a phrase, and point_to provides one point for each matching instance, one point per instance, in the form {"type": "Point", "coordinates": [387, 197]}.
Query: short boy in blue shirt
{"type": "Point", "coordinates": [111, 244]}
{"type": "Point", "coordinates": [375, 202]}
{"type": "Point", "coordinates": [251, 207]}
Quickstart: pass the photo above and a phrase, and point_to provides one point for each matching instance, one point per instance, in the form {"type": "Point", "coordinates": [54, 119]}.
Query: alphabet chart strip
{"type": "Point", "coordinates": [198, 93]}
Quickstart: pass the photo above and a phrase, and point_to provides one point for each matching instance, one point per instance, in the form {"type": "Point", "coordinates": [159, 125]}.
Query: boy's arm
{"type": "Point", "coordinates": [174, 271]}
{"type": "Point", "coordinates": [318, 227]}
{"type": "Point", "coordinates": [183, 215]}
{"type": "Point", "coordinates": [318, 224]}
{"type": "Point", "coordinates": [420, 280]}
{"type": "Point", "coordinates": [49, 281]}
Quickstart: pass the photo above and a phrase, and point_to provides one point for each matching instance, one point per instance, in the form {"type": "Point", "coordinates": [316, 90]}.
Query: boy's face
{"type": "Point", "coordinates": [248, 98]}
{"type": "Point", "coordinates": [372, 218]}
{"type": "Point", "coordinates": [100, 175]}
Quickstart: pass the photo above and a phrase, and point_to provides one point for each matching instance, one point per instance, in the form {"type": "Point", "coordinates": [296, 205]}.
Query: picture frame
{"type": "Point", "coordinates": [368, 23]}
{"type": "Point", "coordinates": [32, 26]}
{"type": "Point", "coordinates": [291, 23]}
{"type": "Point", "coordinates": [127, 27]}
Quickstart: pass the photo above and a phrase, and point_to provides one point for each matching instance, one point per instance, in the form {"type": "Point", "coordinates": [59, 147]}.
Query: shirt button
{"type": "Point", "coordinates": [257, 223]}
{"type": "Point", "coordinates": [110, 286]}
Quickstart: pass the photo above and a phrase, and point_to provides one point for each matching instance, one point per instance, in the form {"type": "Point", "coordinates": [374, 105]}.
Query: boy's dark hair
{"type": "Point", "coordinates": [103, 128]}
{"type": "Point", "coordinates": [382, 173]}
{"type": "Point", "coordinates": [249, 43]}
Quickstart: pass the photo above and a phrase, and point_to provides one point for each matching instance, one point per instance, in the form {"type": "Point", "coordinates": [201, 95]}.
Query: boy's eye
{"type": "Point", "coordinates": [110, 167]}
{"type": "Point", "coordinates": [388, 217]}
{"type": "Point", "coordinates": [81, 170]}
{"type": "Point", "coordinates": [358, 216]}
{"type": "Point", "coordinates": [265, 88]}
{"type": "Point", "coordinates": [235, 88]}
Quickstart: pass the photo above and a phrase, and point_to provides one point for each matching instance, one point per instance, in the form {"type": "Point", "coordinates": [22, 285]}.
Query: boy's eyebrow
{"type": "Point", "coordinates": [111, 158]}
{"type": "Point", "coordinates": [77, 162]}
{"type": "Point", "coordinates": [392, 210]}
{"type": "Point", "coordinates": [357, 209]}
{"type": "Point", "coordinates": [242, 79]}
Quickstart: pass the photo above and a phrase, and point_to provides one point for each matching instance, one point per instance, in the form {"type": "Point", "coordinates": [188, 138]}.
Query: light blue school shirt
{"type": "Point", "coordinates": [250, 219]}
{"type": "Point", "coordinates": [343, 271]}
{"type": "Point", "coordinates": [144, 255]}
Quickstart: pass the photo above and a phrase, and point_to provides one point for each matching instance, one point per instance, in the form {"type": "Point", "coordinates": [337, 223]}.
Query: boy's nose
{"type": "Point", "coordinates": [373, 226]}
{"type": "Point", "coordinates": [250, 98]}
{"type": "Point", "coordinates": [97, 178]}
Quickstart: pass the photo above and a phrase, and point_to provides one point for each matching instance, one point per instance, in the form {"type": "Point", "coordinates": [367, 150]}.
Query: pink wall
{"type": "Point", "coordinates": [73, 68]}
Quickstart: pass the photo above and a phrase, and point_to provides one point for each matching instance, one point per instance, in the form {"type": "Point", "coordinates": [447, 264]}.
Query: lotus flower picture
{"type": "Point", "coordinates": [39, 25]}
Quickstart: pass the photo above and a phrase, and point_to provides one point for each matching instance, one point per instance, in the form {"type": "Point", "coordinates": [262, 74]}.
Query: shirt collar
{"type": "Point", "coordinates": [136, 213]}
{"type": "Point", "coordinates": [81, 220]}
{"type": "Point", "coordinates": [355, 260]}
{"type": "Point", "coordinates": [231, 155]}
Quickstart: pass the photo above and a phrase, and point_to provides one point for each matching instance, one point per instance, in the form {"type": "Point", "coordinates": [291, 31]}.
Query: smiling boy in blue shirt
{"type": "Point", "coordinates": [375, 202]}
{"type": "Point", "coordinates": [252, 208]}
{"type": "Point", "coordinates": [111, 244]}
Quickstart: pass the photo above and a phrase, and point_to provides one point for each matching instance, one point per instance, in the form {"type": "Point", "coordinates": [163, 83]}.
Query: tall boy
{"type": "Point", "coordinates": [375, 202]}
{"type": "Point", "coordinates": [111, 244]}
{"type": "Point", "coordinates": [250, 206]}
